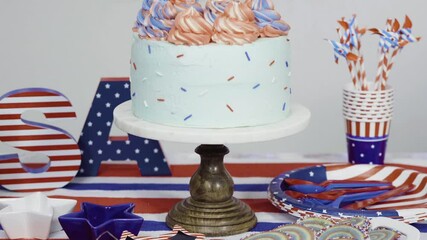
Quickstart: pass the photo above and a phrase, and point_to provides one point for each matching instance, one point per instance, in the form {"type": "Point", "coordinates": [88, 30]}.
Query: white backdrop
{"type": "Point", "coordinates": [68, 45]}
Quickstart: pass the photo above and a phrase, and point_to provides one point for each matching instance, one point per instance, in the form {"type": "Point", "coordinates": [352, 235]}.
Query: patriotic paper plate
{"type": "Point", "coordinates": [407, 208]}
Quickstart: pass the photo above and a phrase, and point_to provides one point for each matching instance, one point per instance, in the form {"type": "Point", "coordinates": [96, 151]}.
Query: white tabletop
{"type": "Point", "coordinates": [126, 121]}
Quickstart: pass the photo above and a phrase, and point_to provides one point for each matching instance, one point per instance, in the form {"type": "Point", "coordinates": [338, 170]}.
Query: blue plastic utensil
{"type": "Point", "coordinates": [317, 188]}
{"type": "Point", "coordinates": [347, 198]}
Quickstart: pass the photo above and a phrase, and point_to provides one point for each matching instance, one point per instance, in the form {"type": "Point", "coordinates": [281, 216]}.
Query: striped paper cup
{"type": "Point", "coordinates": [368, 107]}
{"type": "Point", "coordinates": [351, 91]}
{"type": "Point", "coordinates": [367, 141]}
{"type": "Point", "coordinates": [368, 117]}
{"type": "Point", "coordinates": [356, 100]}
{"type": "Point", "coordinates": [357, 112]}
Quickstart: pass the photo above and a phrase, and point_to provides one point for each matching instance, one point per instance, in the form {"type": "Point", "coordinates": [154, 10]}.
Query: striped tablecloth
{"type": "Point", "coordinates": [154, 196]}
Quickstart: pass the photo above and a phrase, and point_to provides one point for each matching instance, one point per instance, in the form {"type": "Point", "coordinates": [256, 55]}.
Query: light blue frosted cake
{"type": "Point", "coordinates": [227, 65]}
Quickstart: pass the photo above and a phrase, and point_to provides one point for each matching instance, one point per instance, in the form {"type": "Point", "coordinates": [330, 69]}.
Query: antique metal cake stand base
{"type": "Point", "coordinates": [212, 209]}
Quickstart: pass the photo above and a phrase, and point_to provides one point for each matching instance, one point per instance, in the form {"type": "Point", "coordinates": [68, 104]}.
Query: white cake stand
{"type": "Point", "coordinates": [211, 209]}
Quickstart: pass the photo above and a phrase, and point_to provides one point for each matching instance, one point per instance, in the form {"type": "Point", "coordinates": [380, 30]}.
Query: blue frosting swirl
{"type": "Point", "coordinates": [271, 18]}
{"type": "Point", "coordinates": [146, 5]}
{"type": "Point", "coordinates": [158, 21]}
{"type": "Point", "coordinates": [268, 19]}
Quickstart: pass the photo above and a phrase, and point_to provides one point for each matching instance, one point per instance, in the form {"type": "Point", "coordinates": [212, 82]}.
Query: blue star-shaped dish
{"type": "Point", "coordinates": [101, 222]}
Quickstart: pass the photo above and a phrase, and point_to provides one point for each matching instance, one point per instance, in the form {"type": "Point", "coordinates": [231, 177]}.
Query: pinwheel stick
{"type": "Point", "coordinates": [351, 68]}
{"type": "Point", "coordinates": [387, 68]}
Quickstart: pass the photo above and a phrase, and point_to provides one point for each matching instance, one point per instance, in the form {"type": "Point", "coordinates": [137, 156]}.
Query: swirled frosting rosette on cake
{"type": "Point", "coordinates": [236, 26]}
{"type": "Point", "coordinates": [182, 5]}
{"type": "Point", "coordinates": [214, 8]}
{"type": "Point", "coordinates": [158, 22]}
{"type": "Point", "coordinates": [140, 17]}
{"type": "Point", "coordinates": [190, 29]}
{"type": "Point", "coordinates": [268, 20]}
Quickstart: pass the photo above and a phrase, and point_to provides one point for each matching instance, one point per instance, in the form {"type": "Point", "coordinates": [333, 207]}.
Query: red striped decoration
{"type": "Point", "coordinates": [56, 144]}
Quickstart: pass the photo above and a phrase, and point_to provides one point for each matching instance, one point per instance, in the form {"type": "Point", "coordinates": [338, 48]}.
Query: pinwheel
{"type": "Point", "coordinates": [392, 38]}
{"type": "Point", "coordinates": [343, 50]}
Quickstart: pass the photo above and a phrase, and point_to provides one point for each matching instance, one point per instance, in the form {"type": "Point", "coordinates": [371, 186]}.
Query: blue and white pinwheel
{"type": "Point", "coordinates": [342, 50]}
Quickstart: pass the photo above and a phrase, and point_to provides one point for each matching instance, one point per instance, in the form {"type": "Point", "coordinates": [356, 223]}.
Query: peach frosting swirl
{"type": "Point", "coordinates": [190, 29]}
{"type": "Point", "coordinates": [182, 5]}
{"type": "Point", "coordinates": [236, 26]}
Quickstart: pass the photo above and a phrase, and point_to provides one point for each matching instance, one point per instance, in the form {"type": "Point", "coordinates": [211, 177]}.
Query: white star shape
{"type": "Point", "coordinates": [155, 150]}
{"type": "Point", "coordinates": [341, 214]}
{"type": "Point", "coordinates": [287, 175]}
{"type": "Point", "coordinates": [109, 142]}
{"type": "Point", "coordinates": [126, 85]}
{"type": "Point", "coordinates": [81, 134]}
{"type": "Point", "coordinates": [99, 151]}
{"type": "Point", "coordinates": [99, 133]}
{"type": "Point", "coordinates": [146, 141]}
{"type": "Point", "coordinates": [127, 142]}
{"type": "Point", "coordinates": [90, 161]}
{"type": "Point", "coordinates": [156, 169]}
{"type": "Point", "coordinates": [362, 155]}
{"type": "Point", "coordinates": [379, 213]}
{"type": "Point", "coordinates": [146, 160]}
{"type": "Point", "coordinates": [118, 151]}
{"type": "Point", "coordinates": [89, 124]}
{"type": "Point", "coordinates": [372, 146]}
{"type": "Point", "coordinates": [41, 211]}
{"type": "Point", "coordinates": [324, 211]}
{"type": "Point", "coordinates": [137, 151]}
{"type": "Point", "coordinates": [108, 105]}
{"type": "Point", "coordinates": [81, 152]}
{"type": "Point", "coordinates": [82, 170]}
{"type": "Point", "coordinates": [311, 173]}
{"type": "Point", "coordinates": [107, 86]}
{"type": "Point", "coordinates": [117, 95]}
{"type": "Point", "coordinates": [108, 123]}
{"type": "Point", "coordinates": [98, 95]}
{"type": "Point", "coordinates": [98, 114]}
{"type": "Point", "coordinates": [90, 142]}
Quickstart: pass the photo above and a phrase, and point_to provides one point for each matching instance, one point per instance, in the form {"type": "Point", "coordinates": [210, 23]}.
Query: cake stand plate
{"type": "Point", "coordinates": [296, 122]}
{"type": "Point", "coordinates": [211, 209]}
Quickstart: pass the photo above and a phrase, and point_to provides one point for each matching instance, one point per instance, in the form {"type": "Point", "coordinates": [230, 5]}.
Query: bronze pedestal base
{"type": "Point", "coordinates": [212, 209]}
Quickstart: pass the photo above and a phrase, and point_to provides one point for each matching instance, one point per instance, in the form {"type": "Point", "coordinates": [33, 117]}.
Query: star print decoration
{"type": "Point", "coordinates": [97, 145]}
{"type": "Point", "coordinates": [101, 222]}
{"type": "Point", "coordinates": [178, 233]}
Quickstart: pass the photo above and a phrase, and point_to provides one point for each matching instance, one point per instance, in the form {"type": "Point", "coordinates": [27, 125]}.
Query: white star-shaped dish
{"type": "Point", "coordinates": [33, 216]}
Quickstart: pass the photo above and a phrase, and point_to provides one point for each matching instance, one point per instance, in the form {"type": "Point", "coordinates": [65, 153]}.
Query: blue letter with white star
{"type": "Point", "coordinates": [96, 144]}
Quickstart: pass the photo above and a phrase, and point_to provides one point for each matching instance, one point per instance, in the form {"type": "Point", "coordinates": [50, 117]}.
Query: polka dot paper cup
{"type": "Point", "coordinates": [367, 119]}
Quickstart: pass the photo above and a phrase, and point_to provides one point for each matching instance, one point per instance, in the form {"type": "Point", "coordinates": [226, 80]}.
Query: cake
{"type": "Point", "coordinates": [223, 65]}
